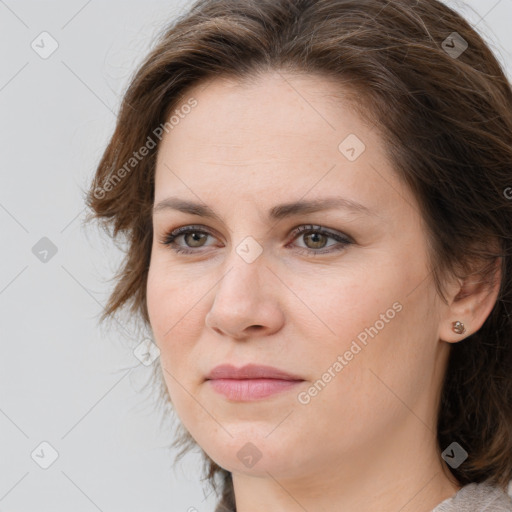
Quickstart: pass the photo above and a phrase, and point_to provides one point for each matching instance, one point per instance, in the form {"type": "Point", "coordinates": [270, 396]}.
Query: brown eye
{"type": "Point", "coordinates": [316, 240]}
{"type": "Point", "coordinates": [194, 238]}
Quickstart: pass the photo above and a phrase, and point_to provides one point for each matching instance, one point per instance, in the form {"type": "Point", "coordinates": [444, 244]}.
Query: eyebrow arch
{"type": "Point", "coordinates": [278, 212]}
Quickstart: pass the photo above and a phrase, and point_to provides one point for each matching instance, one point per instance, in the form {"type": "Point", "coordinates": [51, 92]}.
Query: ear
{"type": "Point", "coordinates": [470, 302]}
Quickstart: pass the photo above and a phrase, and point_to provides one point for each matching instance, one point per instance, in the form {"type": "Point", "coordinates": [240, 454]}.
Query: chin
{"type": "Point", "coordinates": [252, 452]}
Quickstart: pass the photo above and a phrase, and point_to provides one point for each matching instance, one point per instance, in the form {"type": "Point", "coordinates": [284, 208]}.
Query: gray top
{"type": "Point", "coordinates": [474, 497]}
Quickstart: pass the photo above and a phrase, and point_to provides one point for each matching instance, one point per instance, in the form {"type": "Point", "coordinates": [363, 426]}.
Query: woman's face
{"type": "Point", "coordinates": [357, 323]}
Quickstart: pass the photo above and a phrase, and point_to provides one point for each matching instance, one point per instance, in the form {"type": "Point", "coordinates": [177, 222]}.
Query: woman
{"type": "Point", "coordinates": [316, 199]}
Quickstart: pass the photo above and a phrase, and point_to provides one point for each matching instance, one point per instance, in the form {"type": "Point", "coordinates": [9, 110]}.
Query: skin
{"type": "Point", "coordinates": [367, 440]}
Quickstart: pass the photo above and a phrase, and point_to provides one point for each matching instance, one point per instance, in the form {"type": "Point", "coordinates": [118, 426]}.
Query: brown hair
{"type": "Point", "coordinates": [446, 120]}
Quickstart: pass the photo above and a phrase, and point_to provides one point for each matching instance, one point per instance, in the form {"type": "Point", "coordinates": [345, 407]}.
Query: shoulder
{"type": "Point", "coordinates": [477, 497]}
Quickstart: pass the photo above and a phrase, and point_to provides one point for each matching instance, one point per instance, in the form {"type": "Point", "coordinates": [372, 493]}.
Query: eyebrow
{"type": "Point", "coordinates": [278, 212]}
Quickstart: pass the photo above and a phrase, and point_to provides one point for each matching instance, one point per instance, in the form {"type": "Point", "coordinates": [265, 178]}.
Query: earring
{"type": "Point", "coordinates": [458, 327]}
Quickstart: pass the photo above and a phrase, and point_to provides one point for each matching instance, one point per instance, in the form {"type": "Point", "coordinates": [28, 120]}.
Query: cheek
{"type": "Point", "coordinates": [158, 303]}
{"type": "Point", "coordinates": [379, 360]}
{"type": "Point", "coordinates": [170, 297]}
{"type": "Point", "coordinates": [165, 308]}
{"type": "Point", "coordinates": [344, 308]}
{"type": "Point", "coordinates": [373, 322]}
{"type": "Point", "coordinates": [176, 315]}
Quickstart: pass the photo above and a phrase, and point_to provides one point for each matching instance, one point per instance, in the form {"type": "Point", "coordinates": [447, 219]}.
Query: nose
{"type": "Point", "coordinates": [246, 301]}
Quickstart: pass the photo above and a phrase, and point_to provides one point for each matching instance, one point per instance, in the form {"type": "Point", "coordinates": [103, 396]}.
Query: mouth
{"type": "Point", "coordinates": [251, 382]}
{"type": "Point", "coordinates": [244, 390]}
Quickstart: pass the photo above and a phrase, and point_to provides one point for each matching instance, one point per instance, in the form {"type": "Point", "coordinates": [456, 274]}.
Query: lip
{"type": "Point", "coordinates": [251, 382]}
{"type": "Point", "coordinates": [250, 371]}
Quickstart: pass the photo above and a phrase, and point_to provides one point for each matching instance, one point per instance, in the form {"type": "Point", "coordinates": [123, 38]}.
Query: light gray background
{"type": "Point", "coordinates": [65, 380]}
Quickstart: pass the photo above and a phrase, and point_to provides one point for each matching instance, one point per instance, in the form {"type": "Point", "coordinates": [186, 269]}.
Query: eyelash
{"type": "Point", "coordinates": [170, 238]}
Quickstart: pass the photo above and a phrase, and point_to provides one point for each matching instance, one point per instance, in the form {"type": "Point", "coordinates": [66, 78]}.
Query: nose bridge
{"type": "Point", "coordinates": [245, 265]}
{"type": "Point", "coordinates": [242, 298]}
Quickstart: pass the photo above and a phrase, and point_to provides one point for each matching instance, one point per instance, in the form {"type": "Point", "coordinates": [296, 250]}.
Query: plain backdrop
{"type": "Point", "coordinates": [72, 395]}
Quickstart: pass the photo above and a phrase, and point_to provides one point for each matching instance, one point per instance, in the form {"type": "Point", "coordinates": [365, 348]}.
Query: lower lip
{"type": "Point", "coordinates": [251, 389]}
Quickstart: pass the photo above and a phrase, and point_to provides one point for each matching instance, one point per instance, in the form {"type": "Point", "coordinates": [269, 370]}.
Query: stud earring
{"type": "Point", "coordinates": [458, 327]}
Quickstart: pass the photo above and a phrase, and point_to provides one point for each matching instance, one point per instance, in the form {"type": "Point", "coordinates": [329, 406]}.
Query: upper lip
{"type": "Point", "coordinates": [250, 371]}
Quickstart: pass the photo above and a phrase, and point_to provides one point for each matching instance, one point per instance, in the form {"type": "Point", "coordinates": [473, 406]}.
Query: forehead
{"type": "Point", "coordinates": [230, 111]}
{"type": "Point", "coordinates": [278, 135]}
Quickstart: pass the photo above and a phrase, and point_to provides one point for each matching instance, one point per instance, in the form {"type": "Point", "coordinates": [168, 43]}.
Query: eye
{"type": "Point", "coordinates": [316, 237]}
{"type": "Point", "coordinates": [193, 236]}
